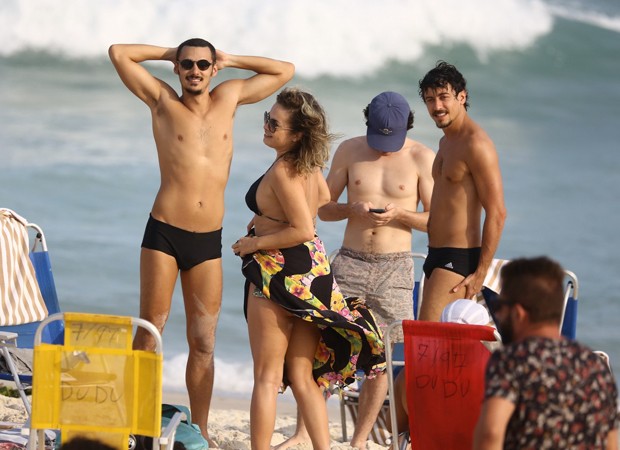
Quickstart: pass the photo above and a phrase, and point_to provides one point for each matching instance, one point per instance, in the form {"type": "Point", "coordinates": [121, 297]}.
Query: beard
{"type": "Point", "coordinates": [194, 91]}
{"type": "Point", "coordinates": [445, 124]}
{"type": "Point", "coordinates": [442, 124]}
{"type": "Point", "coordinates": [506, 331]}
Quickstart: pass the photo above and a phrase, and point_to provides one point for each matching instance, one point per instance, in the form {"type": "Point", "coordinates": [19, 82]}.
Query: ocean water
{"type": "Point", "coordinates": [77, 154]}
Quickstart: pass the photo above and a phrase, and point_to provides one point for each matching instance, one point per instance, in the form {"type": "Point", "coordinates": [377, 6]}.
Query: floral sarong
{"type": "Point", "coordinates": [300, 280]}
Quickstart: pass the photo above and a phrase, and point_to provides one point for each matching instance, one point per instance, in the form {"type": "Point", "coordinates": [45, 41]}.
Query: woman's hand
{"type": "Point", "coordinates": [245, 246]}
{"type": "Point", "coordinates": [250, 225]}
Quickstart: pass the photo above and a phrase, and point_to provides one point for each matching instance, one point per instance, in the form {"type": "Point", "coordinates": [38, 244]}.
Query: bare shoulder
{"type": "Point", "coordinates": [350, 150]}
{"type": "Point", "coordinates": [352, 144]}
{"type": "Point", "coordinates": [227, 91]}
{"type": "Point", "coordinates": [420, 152]}
{"type": "Point", "coordinates": [479, 142]}
{"type": "Point", "coordinates": [283, 170]}
{"type": "Point", "coordinates": [168, 92]}
{"type": "Point", "coordinates": [419, 149]}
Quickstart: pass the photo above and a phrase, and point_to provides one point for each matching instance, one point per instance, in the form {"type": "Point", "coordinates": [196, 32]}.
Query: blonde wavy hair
{"type": "Point", "coordinates": [307, 117]}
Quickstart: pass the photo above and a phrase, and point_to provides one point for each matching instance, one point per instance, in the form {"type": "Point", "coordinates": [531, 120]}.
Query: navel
{"type": "Point", "coordinates": [180, 137]}
{"type": "Point", "coordinates": [358, 182]}
{"type": "Point", "coordinates": [200, 204]}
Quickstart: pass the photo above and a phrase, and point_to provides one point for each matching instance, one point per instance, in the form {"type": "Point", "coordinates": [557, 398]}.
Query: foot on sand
{"type": "Point", "coordinates": [296, 439]}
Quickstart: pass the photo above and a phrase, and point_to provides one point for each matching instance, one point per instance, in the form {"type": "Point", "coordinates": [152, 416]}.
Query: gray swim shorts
{"type": "Point", "coordinates": [385, 281]}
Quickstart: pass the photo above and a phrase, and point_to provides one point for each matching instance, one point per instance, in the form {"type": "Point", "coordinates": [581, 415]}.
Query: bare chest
{"type": "Point", "coordinates": [187, 136]}
{"type": "Point", "coordinates": [391, 182]}
{"type": "Point", "coordinates": [449, 166]}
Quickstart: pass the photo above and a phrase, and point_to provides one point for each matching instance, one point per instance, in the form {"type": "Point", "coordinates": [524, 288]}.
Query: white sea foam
{"type": "Point", "coordinates": [594, 18]}
{"type": "Point", "coordinates": [230, 377]}
{"type": "Point", "coordinates": [321, 37]}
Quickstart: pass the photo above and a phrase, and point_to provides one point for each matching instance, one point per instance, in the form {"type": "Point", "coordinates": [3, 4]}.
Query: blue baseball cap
{"type": "Point", "coordinates": [388, 114]}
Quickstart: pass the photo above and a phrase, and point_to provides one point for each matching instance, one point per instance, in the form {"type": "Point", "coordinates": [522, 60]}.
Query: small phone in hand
{"type": "Point", "coordinates": [377, 210]}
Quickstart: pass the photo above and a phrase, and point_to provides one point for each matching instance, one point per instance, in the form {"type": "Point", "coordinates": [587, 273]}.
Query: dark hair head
{"type": "Point", "coordinates": [308, 118]}
{"type": "Point", "coordinates": [538, 285]}
{"type": "Point", "coordinates": [196, 42]}
{"type": "Point", "coordinates": [444, 75]}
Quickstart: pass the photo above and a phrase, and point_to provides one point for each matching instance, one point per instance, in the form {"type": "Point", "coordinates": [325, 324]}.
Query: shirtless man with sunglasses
{"type": "Point", "coordinates": [193, 135]}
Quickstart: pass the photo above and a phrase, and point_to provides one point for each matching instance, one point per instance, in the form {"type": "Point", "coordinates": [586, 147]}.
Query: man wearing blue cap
{"type": "Point", "coordinates": [386, 176]}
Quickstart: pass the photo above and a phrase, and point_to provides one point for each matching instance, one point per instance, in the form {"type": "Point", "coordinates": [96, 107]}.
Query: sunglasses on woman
{"type": "Point", "coordinates": [188, 64]}
{"type": "Point", "coordinates": [272, 124]}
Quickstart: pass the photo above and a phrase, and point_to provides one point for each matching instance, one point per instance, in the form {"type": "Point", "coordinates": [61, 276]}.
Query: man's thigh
{"type": "Point", "coordinates": [158, 275]}
{"type": "Point", "coordinates": [351, 275]}
{"type": "Point", "coordinates": [202, 296]}
{"type": "Point", "coordinates": [438, 293]}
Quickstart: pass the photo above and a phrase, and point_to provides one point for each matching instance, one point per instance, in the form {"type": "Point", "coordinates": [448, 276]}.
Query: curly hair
{"type": "Point", "coordinates": [442, 75]}
{"type": "Point", "coordinates": [307, 117]}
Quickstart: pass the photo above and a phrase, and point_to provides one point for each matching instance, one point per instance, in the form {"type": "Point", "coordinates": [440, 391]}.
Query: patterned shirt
{"type": "Point", "coordinates": [564, 394]}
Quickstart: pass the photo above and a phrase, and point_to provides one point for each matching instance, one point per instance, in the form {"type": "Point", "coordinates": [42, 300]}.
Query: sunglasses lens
{"type": "Point", "coordinates": [203, 64]}
{"type": "Point", "coordinates": [187, 64]}
{"type": "Point", "coordinates": [271, 126]}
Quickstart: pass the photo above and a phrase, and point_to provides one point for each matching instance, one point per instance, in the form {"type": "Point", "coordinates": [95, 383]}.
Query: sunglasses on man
{"type": "Point", "coordinates": [272, 124]}
{"type": "Point", "coordinates": [188, 64]}
{"type": "Point", "coordinates": [500, 302]}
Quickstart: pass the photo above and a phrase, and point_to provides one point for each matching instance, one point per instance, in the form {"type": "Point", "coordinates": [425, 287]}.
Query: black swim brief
{"type": "Point", "coordinates": [187, 247]}
{"type": "Point", "coordinates": [463, 261]}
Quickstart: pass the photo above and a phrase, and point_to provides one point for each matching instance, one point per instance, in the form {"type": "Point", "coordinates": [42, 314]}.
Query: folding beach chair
{"type": "Point", "coordinates": [444, 372]}
{"type": "Point", "coordinates": [95, 385]}
{"type": "Point", "coordinates": [27, 294]}
{"type": "Point", "coordinates": [349, 397]}
{"type": "Point", "coordinates": [568, 324]}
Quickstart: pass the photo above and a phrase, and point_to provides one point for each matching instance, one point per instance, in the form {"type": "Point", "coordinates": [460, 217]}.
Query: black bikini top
{"type": "Point", "coordinates": [250, 201]}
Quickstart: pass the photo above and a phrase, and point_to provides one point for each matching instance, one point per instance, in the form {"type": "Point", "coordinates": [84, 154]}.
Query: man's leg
{"type": "Point", "coordinates": [158, 274]}
{"type": "Point", "coordinates": [202, 294]}
{"type": "Point", "coordinates": [400, 403]}
{"type": "Point", "coordinates": [371, 400]}
{"type": "Point", "coordinates": [438, 293]}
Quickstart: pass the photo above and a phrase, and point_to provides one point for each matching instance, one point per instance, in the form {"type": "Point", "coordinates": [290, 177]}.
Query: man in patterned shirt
{"type": "Point", "coordinates": [543, 391]}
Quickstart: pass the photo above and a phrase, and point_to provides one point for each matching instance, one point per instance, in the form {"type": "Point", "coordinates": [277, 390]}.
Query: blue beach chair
{"type": "Point", "coordinates": [17, 336]}
{"type": "Point", "coordinates": [568, 325]}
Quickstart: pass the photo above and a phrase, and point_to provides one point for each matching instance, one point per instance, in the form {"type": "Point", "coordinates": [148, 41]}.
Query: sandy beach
{"type": "Point", "coordinates": [229, 418]}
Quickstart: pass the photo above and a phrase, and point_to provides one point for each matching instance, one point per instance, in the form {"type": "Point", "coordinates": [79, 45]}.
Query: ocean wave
{"type": "Point", "coordinates": [230, 377]}
{"type": "Point", "coordinates": [594, 18]}
{"type": "Point", "coordinates": [321, 37]}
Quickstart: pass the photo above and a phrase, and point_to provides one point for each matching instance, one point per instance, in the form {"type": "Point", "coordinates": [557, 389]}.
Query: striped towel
{"type": "Point", "coordinates": [20, 298]}
{"type": "Point", "coordinates": [493, 280]}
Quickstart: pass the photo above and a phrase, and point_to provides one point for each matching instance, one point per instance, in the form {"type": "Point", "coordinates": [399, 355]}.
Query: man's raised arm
{"type": "Point", "coordinates": [271, 75]}
{"type": "Point", "coordinates": [127, 58]}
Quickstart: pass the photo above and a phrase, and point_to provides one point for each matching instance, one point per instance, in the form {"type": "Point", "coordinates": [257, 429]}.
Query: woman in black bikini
{"type": "Point", "coordinates": [303, 333]}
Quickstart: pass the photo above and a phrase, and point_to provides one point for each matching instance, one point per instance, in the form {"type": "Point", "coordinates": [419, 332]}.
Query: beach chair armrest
{"type": "Point", "coordinates": [25, 429]}
{"type": "Point", "coordinates": [8, 338]}
{"type": "Point", "coordinates": [166, 440]}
